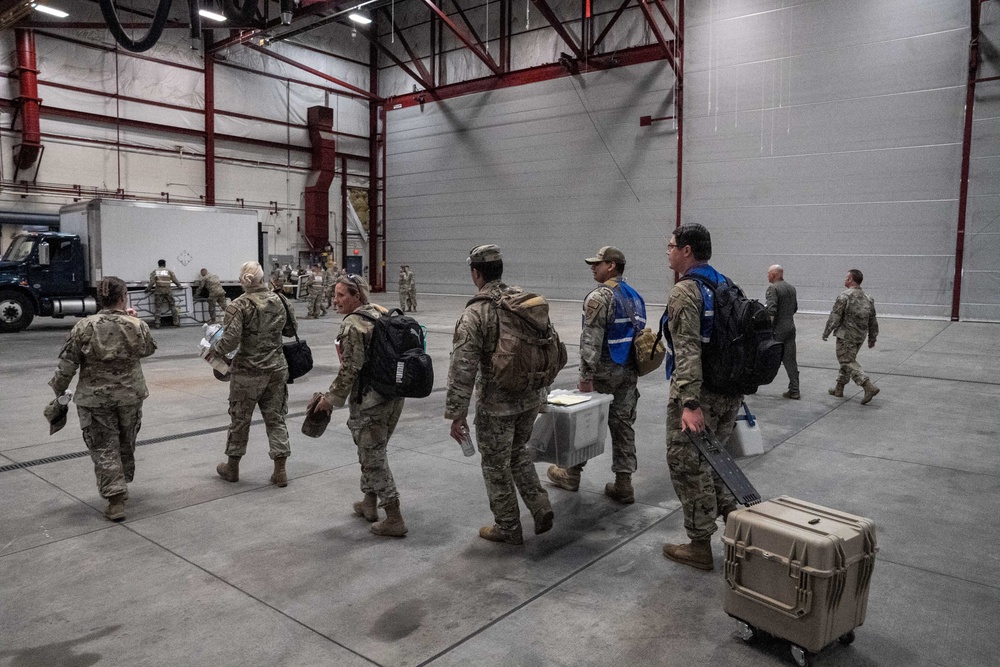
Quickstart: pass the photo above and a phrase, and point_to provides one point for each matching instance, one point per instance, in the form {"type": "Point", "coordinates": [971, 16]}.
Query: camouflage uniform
{"type": "Point", "coordinates": [278, 280]}
{"type": "Point", "coordinates": [404, 287]}
{"type": "Point", "coordinates": [329, 282]}
{"type": "Point", "coordinates": [317, 295]}
{"type": "Point", "coordinates": [159, 282]}
{"type": "Point", "coordinates": [851, 321]}
{"type": "Point", "coordinates": [411, 290]}
{"type": "Point", "coordinates": [503, 421]}
{"type": "Point", "coordinates": [255, 322]}
{"type": "Point", "coordinates": [702, 494]}
{"type": "Point", "coordinates": [107, 347]}
{"type": "Point", "coordinates": [372, 417]}
{"type": "Point", "coordinates": [216, 295]}
{"type": "Point", "coordinates": [608, 377]}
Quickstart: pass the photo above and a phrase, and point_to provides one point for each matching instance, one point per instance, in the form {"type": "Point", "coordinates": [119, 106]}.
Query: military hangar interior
{"type": "Point", "coordinates": [823, 135]}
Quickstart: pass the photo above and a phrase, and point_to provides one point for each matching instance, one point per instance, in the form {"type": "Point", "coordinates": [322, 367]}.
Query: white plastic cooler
{"type": "Point", "coordinates": [568, 435]}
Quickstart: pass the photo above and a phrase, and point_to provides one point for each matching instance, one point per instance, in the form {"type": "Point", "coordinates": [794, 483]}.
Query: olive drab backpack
{"type": "Point", "coordinates": [529, 353]}
{"type": "Point", "coordinates": [396, 363]}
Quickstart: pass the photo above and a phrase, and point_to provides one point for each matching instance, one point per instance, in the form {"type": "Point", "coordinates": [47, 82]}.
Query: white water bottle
{"type": "Point", "coordinates": [467, 447]}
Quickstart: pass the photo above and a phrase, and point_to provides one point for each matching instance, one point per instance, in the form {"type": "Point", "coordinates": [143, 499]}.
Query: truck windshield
{"type": "Point", "coordinates": [20, 249]}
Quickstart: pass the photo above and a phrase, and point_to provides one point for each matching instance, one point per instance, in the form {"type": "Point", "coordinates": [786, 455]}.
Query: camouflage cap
{"type": "Point", "coordinates": [608, 253]}
{"type": "Point", "coordinates": [484, 253]}
{"type": "Point", "coordinates": [55, 413]}
{"type": "Point", "coordinates": [316, 421]}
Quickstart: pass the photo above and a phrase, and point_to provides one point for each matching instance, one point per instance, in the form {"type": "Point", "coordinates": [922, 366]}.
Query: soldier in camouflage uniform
{"type": "Point", "coordinates": [254, 324]}
{"type": "Point", "coordinates": [317, 292]}
{"type": "Point", "coordinates": [159, 283]}
{"type": "Point", "coordinates": [330, 277]}
{"type": "Point", "coordinates": [216, 295]}
{"type": "Point", "coordinates": [599, 372]}
{"type": "Point", "coordinates": [503, 420]}
{"type": "Point", "coordinates": [372, 417]}
{"type": "Point", "coordinates": [107, 347]}
{"type": "Point", "coordinates": [404, 287]}
{"type": "Point", "coordinates": [411, 289]}
{"type": "Point", "coordinates": [851, 321]}
{"type": "Point", "coordinates": [702, 493]}
{"type": "Point", "coordinates": [278, 278]}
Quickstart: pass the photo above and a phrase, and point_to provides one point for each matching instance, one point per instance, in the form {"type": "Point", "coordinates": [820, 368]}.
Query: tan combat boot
{"type": "Point", "coordinates": [543, 516]}
{"type": "Point", "coordinates": [368, 508]}
{"type": "Point", "coordinates": [696, 554]}
{"type": "Point", "coordinates": [621, 490]}
{"type": "Point", "coordinates": [565, 478]}
{"type": "Point", "coordinates": [393, 525]}
{"type": "Point", "coordinates": [870, 392]}
{"type": "Point", "coordinates": [494, 534]}
{"type": "Point", "coordinates": [279, 476]}
{"type": "Point", "coordinates": [837, 391]}
{"type": "Point", "coordinates": [116, 507]}
{"type": "Point", "coordinates": [229, 471]}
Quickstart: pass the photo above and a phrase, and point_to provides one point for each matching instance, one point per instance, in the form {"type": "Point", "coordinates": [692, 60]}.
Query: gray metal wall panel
{"type": "Point", "coordinates": [822, 135]}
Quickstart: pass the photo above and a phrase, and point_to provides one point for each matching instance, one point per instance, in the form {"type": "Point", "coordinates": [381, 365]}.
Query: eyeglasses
{"type": "Point", "coordinates": [671, 246]}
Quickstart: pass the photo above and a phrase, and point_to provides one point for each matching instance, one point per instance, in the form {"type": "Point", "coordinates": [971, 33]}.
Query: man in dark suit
{"type": "Point", "coordinates": [781, 306]}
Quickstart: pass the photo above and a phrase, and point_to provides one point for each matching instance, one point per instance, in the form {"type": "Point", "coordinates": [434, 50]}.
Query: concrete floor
{"type": "Point", "coordinates": [209, 573]}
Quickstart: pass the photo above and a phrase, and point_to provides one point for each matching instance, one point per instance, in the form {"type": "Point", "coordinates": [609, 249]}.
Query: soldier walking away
{"type": "Point", "coordinates": [106, 348]}
{"type": "Point", "coordinates": [851, 321]}
{"type": "Point", "coordinates": [159, 283]}
{"type": "Point", "coordinates": [330, 276]}
{"type": "Point", "coordinates": [407, 289]}
{"type": "Point", "coordinates": [373, 417]}
{"type": "Point", "coordinates": [782, 305]}
{"type": "Point", "coordinates": [504, 419]}
{"type": "Point", "coordinates": [216, 295]}
{"type": "Point", "coordinates": [611, 313]}
{"type": "Point", "coordinates": [691, 407]}
{"type": "Point", "coordinates": [254, 324]}
{"type": "Point", "coordinates": [317, 305]}
{"type": "Point", "coordinates": [278, 278]}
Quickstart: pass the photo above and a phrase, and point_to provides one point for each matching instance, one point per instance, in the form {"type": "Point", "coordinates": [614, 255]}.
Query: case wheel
{"type": "Point", "coordinates": [847, 639]}
{"type": "Point", "coordinates": [800, 656]}
{"type": "Point", "coordinates": [746, 632]}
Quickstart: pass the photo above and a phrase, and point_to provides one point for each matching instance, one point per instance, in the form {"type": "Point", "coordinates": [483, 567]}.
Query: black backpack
{"type": "Point", "coordinates": [397, 365]}
{"type": "Point", "coordinates": [742, 353]}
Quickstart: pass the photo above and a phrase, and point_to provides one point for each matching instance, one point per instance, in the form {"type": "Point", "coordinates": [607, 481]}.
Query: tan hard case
{"type": "Point", "coordinates": [799, 571]}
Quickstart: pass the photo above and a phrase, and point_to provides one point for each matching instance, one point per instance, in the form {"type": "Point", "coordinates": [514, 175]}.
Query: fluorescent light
{"type": "Point", "coordinates": [359, 18]}
{"type": "Point", "coordinates": [49, 10]}
{"type": "Point", "coordinates": [211, 15]}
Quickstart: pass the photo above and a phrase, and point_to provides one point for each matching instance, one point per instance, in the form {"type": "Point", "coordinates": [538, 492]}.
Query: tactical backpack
{"type": "Point", "coordinates": [396, 364]}
{"type": "Point", "coordinates": [529, 353]}
{"type": "Point", "coordinates": [742, 353]}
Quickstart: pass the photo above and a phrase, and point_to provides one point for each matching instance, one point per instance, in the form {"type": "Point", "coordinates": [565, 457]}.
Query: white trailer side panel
{"type": "Point", "coordinates": [126, 239]}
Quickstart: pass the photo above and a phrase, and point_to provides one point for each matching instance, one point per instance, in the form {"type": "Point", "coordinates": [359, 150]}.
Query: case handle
{"type": "Point", "coordinates": [803, 598]}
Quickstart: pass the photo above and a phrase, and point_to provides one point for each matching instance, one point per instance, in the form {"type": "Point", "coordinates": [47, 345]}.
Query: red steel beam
{"type": "Point", "coordinates": [623, 58]}
{"type": "Point", "coordinates": [607, 28]}
{"type": "Point", "coordinates": [210, 129]}
{"type": "Point", "coordinates": [425, 75]}
{"type": "Point", "coordinates": [314, 72]}
{"type": "Point", "coordinates": [475, 35]}
{"type": "Point", "coordinates": [963, 194]}
{"type": "Point", "coordinates": [666, 16]}
{"type": "Point", "coordinates": [395, 59]}
{"type": "Point", "coordinates": [464, 38]}
{"type": "Point", "coordinates": [557, 25]}
{"type": "Point", "coordinates": [679, 108]}
{"type": "Point", "coordinates": [297, 82]}
{"type": "Point", "coordinates": [651, 21]}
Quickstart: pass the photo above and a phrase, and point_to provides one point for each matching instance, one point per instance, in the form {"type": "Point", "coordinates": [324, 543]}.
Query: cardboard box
{"type": "Point", "coordinates": [568, 435]}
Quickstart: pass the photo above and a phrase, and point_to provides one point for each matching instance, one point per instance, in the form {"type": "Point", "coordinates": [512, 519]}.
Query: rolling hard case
{"type": "Point", "coordinates": [799, 572]}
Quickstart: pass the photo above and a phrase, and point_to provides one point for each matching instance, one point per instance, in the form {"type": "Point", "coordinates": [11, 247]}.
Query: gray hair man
{"type": "Point", "coordinates": [782, 305]}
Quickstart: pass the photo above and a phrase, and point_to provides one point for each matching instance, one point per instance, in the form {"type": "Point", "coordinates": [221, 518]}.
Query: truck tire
{"type": "Point", "coordinates": [16, 312]}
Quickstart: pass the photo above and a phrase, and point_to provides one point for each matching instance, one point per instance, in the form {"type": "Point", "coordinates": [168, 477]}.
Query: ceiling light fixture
{"type": "Point", "coordinates": [51, 11]}
{"type": "Point", "coordinates": [359, 18]}
{"type": "Point", "coordinates": [211, 15]}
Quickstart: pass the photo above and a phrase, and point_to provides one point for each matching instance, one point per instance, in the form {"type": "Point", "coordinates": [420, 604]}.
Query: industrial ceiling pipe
{"type": "Point", "coordinates": [118, 32]}
{"type": "Point", "coordinates": [31, 134]}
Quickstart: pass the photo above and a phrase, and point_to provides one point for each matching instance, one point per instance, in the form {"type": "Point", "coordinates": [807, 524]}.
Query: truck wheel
{"type": "Point", "coordinates": [15, 312]}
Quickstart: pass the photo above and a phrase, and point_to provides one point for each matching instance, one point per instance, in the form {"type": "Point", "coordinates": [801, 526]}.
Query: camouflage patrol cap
{"type": "Point", "coordinates": [484, 253]}
{"type": "Point", "coordinates": [55, 413]}
{"type": "Point", "coordinates": [608, 253]}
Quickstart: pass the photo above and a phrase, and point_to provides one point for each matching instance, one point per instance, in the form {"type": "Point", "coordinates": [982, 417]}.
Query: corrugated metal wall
{"type": "Point", "coordinates": [821, 135]}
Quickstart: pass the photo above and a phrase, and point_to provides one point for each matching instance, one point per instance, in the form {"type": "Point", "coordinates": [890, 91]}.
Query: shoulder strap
{"type": "Point", "coordinates": [288, 314]}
